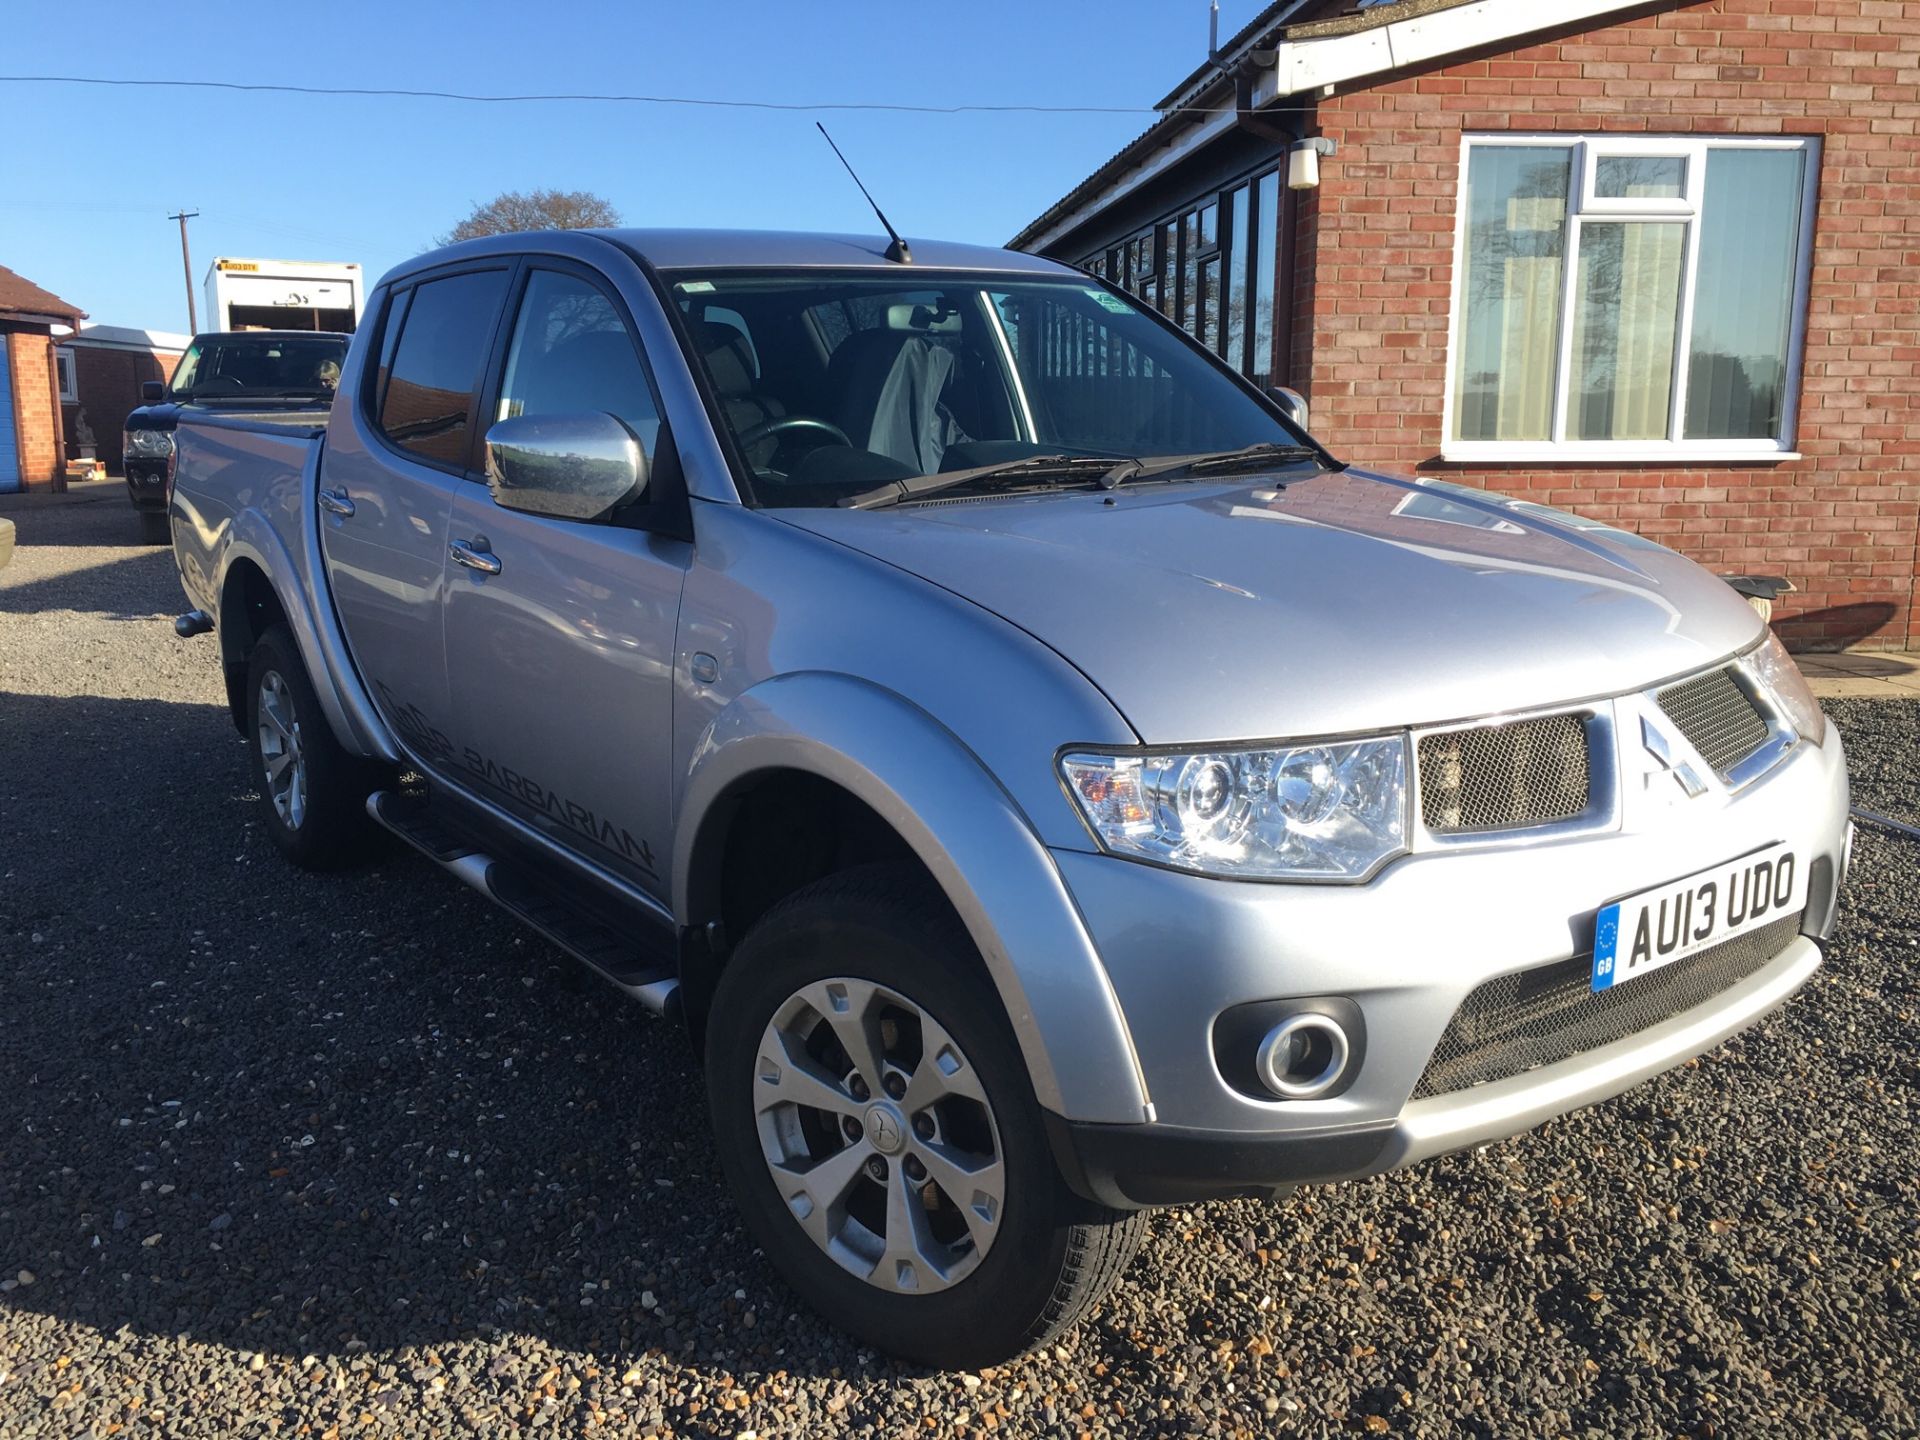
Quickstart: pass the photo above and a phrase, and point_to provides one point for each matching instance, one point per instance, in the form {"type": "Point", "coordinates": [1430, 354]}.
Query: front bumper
{"type": "Point", "coordinates": [1408, 949]}
{"type": "Point", "coordinates": [147, 485]}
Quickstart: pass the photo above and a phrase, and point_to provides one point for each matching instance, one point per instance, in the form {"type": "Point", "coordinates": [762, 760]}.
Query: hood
{"type": "Point", "coordinates": [1330, 604]}
{"type": "Point", "coordinates": [163, 415]}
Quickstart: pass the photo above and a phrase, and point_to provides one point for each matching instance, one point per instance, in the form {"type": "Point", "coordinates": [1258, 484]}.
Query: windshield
{"type": "Point", "coordinates": [833, 383]}
{"type": "Point", "coordinates": [252, 366]}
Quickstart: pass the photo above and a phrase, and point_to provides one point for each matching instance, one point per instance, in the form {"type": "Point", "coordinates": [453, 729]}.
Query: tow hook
{"type": "Point", "coordinates": [194, 622]}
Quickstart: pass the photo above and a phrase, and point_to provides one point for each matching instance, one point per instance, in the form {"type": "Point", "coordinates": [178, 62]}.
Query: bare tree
{"type": "Point", "coordinates": [534, 210]}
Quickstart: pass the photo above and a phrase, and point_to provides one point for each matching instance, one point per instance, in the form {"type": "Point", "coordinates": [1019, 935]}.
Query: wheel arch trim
{"type": "Point", "coordinates": [969, 834]}
{"type": "Point", "coordinates": [251, 537]}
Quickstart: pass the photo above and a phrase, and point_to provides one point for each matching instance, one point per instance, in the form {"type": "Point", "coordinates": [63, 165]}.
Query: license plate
{"type": "Point", "coordinates": [1642, 933]}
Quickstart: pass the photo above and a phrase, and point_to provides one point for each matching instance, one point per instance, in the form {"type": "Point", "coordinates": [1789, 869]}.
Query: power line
{"type": "Point", "coordinates": [690, 100]}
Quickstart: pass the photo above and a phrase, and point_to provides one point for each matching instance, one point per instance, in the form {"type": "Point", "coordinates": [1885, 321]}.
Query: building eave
{"type": "Point", "coordinates": [1341, 55]}
{"type": "Point", "coordinates": [1309, 62]}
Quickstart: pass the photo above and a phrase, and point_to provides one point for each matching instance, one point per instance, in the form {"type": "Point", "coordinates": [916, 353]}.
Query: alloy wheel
{"type": "Point", "coordinates": [280, 752]}
{"type": "Point", "coordinates": [879, 1135]}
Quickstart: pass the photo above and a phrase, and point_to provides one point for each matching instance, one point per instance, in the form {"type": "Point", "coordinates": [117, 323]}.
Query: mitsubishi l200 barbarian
{"type": "Point", "coordinates": [1043, 780]}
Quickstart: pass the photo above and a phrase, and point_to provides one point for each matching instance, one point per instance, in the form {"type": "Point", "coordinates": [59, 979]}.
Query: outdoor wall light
{"type": "Point", "coordinates": [1303, 162]}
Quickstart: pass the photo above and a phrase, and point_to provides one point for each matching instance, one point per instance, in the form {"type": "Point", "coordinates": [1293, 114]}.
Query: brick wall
{"type": "Point", "coordinates": [108, 383]}
{"type": "Point", "coordinates": [36, 415]}
{"type": "Point", "coordinates": [1376, 281]}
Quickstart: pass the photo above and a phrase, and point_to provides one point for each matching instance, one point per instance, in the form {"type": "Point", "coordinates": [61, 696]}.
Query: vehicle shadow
{"type": "Point", "coordinates": [320, 1114]}
{"type": "Point", "coordinates": [106, 518]}
{"type": "Point", "coordinates": [135, 586]}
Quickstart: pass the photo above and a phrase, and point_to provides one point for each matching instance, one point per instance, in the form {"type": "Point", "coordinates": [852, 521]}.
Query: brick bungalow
{"type": "Point", "coordinates": [1656, 263]}
{"type": "Point", "coordinates": [31, 449]}
{"type": "Point", "coordinates": [102, 370]}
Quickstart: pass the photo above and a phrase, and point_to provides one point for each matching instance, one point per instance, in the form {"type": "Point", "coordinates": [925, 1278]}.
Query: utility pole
{"type": "Point", "coordinates": [186, 268]}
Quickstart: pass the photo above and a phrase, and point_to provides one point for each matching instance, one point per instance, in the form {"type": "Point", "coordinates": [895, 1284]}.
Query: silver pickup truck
{"type": "Point", "coordinates": [1043, 781]}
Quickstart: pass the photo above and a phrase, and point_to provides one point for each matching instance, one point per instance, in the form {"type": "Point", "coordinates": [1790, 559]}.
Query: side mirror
{"type": "Point", "coordinates": [152, 392]}
{"type": "Point", "coordinates": [1292, 403]}
{"type": "Point", "coordinates": [571, 467]}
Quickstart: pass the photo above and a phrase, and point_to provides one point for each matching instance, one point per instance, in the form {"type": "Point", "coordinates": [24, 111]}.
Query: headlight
{"type": "Point", "coordinates": [1329, 811]}
{"type": "Point", "coordinates": [149, 444]}
{"type": "Point", "coordinates": [1773, 667]}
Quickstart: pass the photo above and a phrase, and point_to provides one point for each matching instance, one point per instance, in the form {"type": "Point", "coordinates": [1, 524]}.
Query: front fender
{"type": "Point", "coordinates": [979, 847]}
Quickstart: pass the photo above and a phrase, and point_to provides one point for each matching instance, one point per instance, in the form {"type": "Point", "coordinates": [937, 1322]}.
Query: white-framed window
{"type": "Point", "coordinates": [1629, 297]}
{"type": "Point", "coordinates": [69, 382]}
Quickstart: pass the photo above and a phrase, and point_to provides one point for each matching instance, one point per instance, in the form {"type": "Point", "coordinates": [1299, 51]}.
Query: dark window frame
{"type": "Point", "coordinates": [402, 296]}
{"type": "Point", "coordinates": [1166, 237]}
{"type": "Point", "coordinates": [665, 509]}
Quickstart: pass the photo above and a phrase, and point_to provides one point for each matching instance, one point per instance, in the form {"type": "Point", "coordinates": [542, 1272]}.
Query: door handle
{"type": "Point", "coordinates": [475, 556]}
{"type": "Point", "coordinates": [336, 502]}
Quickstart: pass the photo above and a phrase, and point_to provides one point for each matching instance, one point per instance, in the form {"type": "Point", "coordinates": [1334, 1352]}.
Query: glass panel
{"type": "Point", "coordinates": [571, 352]}
{"type": "Point", "coordinates": [1236, 351]}
{"type": "Point", "coordinates": [1626, 321]}
{"type": "Point", "coordinates": [1516, 258]}
{"type": "Point", "coordinates": [1743, 303]}
{"type": "Point", "coordinates": [1167, 267]}
{"type": "Point", "coordinates": [1189, 271]}
{"type": "Point", "coordinates": [1210, 227]}
{"type": "Point", "coordinates": [1640, 177]}
{"type": "Point", "coordinates": [1261, 293]}
{"type": "Point", "coordinates": [1207, 322]}
{"type": "Point", "coordinates": [448, 330]}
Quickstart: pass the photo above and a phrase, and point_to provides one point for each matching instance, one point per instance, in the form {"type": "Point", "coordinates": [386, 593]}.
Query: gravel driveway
{"type": "Point", "coordinates": [354, 1155]}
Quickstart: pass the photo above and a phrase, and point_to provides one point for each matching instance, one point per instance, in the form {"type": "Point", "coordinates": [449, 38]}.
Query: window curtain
{"type": "Point", "coordinates": [1626, 327]}
{"type": "Point", "coordinates": [1516, 254]}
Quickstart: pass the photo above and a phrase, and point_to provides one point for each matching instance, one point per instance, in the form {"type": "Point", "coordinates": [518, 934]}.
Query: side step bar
{"type": "Point", "coordinates": [640, 967]}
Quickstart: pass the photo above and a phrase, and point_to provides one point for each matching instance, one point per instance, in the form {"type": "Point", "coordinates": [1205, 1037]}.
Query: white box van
{"type": "Point", "coordinates": [284, 295]}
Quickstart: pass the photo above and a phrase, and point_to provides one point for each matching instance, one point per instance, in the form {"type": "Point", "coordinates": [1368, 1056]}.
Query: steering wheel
{"type": "Point", "coordinates": [782, 423]}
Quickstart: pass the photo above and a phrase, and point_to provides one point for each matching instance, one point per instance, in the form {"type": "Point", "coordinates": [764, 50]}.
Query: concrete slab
{"type": "Point", "coordinates": [1847, 687]}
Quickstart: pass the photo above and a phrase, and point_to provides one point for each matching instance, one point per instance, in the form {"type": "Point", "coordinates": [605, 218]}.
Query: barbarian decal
{"type": "Point", "coordinates": [433, 747]}
{"type": "Point", "coordinates": [609, 836]}
{"type": "Point", "coordinates": [419, 733]}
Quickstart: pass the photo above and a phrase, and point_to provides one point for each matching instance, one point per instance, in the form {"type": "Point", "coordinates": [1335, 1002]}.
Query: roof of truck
{"type": "Point", "coordinates": [726, 249]}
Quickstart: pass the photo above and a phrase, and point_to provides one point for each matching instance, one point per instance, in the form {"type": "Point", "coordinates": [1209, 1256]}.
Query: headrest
{"type": "Point", "coordinates": [729, 361]}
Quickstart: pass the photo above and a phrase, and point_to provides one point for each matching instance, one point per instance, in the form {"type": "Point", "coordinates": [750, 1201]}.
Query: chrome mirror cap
{"type": "Point", "coordinates": [572, 467]}
{"type": "Point", "coordinates": [1292, 404]}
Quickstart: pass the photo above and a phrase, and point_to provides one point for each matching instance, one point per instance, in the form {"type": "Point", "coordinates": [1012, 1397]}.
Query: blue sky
{"type": "Point", "coordinates": [83, 211]}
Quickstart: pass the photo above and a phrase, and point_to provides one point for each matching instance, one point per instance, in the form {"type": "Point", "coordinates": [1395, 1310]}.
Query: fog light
{"type": "Point", "coordinates": [1303, 1057]}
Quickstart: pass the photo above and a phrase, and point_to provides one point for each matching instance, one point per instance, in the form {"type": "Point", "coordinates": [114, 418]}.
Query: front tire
{"type": "Point", "coordinates": [876, 1122]}
{"type": "Point", "coordinates": [312, 793]}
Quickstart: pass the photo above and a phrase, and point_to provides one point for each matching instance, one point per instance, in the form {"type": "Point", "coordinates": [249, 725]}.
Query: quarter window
{"type": "Point", "coordinates": [436, 366]}
{"type": "Point", "coordinates": [1586, 322]}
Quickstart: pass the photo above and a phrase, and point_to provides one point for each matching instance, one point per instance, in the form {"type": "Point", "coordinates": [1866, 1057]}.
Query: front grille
{"type": "Point", "coordinates": [1538, 1017]}
{"type": "Point", "coordinates": [1717, 717]}
{"type": "Point", "coordinates": [1505, 777]}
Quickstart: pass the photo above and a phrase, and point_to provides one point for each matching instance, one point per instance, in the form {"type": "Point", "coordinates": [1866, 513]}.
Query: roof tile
{"type": "Point", "coordinates": [20, 295]}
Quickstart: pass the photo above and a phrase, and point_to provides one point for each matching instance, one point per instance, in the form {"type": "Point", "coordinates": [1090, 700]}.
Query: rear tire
{"type": "Point", "coordinates": [312, 793]}
{"type": "Point", "coordinates": [1006, 1264]}
{"type": "Point", "coordinates": [156, 527]}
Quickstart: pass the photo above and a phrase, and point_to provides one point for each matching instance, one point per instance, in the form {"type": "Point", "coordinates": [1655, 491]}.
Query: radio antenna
{"type": "Point", "coordinates": [897, 251]}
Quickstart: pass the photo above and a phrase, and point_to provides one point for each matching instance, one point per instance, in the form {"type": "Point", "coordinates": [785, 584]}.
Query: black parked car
{"type": "Point", "coordinates": [245, 370]}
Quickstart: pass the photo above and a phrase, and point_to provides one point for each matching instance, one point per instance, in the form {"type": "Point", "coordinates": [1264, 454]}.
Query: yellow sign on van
{"type": "Point", "coordinates": [235, 265]}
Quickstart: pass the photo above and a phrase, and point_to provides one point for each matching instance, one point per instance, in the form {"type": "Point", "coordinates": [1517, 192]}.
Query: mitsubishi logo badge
{"type": "Point", "coordinates": [883, 1129]}
{"type": "Point", "coordinates": [1658, 746]}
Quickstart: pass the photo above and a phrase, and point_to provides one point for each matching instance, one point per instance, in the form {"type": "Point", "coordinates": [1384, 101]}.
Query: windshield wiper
{"type": "Point", "coordinates": [1266, 453]}
{"type": "Point", "coordinates": [920, 486]}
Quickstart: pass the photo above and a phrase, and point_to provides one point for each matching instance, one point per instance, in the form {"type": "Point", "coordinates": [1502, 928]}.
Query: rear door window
{"type": "Point", "coordinates": [444, 341]}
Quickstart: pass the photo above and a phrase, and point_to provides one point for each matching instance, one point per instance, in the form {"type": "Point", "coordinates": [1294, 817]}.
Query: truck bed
{"type": "Point", "coordinates": [242, 486]}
